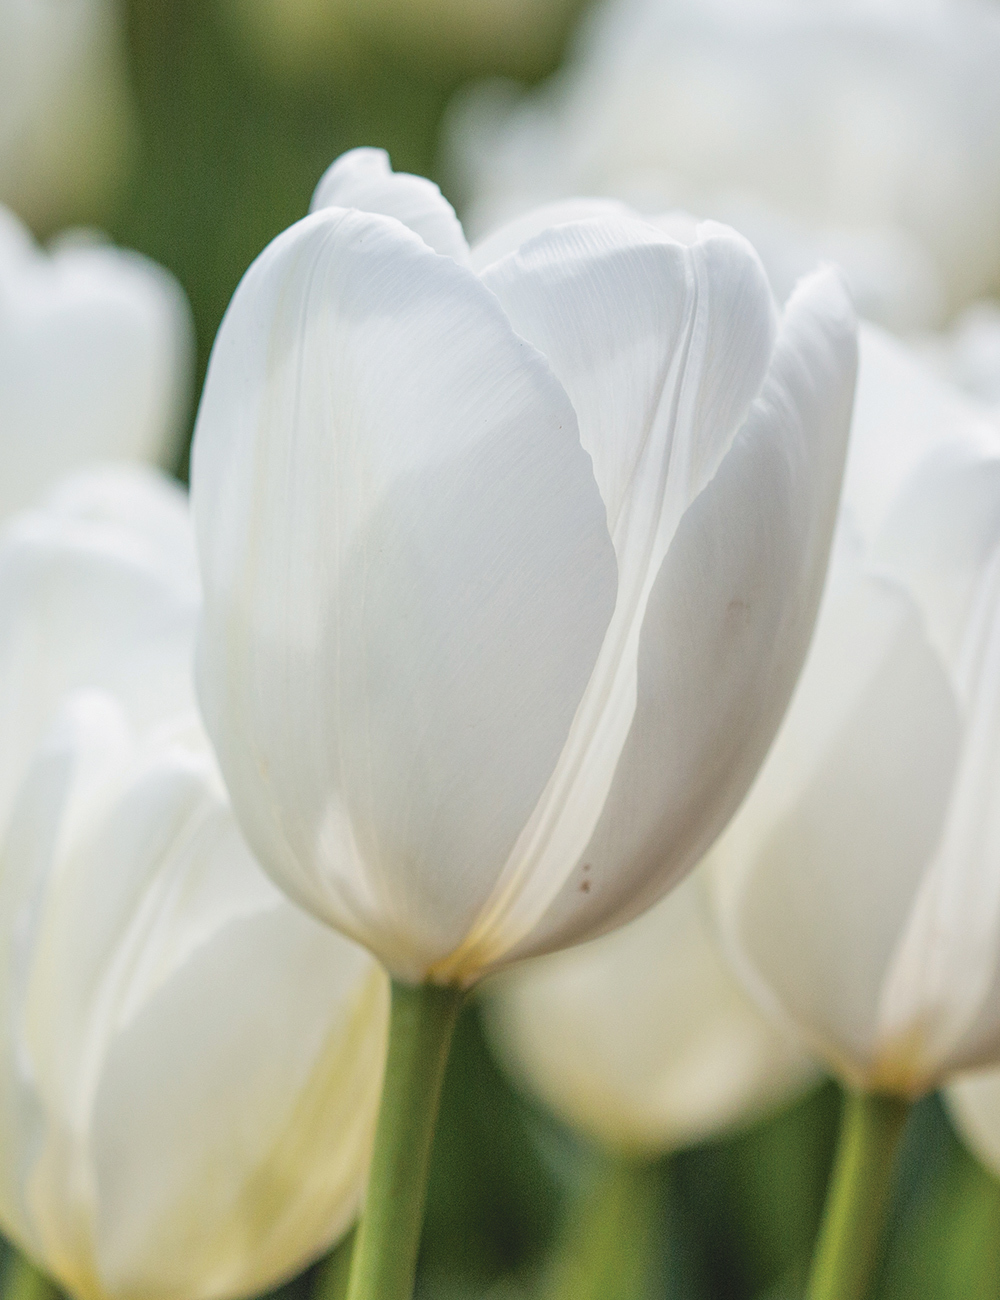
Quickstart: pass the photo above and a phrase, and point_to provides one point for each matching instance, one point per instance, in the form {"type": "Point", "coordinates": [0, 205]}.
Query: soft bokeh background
{"type": "Point", "coordinates": [216, 126]}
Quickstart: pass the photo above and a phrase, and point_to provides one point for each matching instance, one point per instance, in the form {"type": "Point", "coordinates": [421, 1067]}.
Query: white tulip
{"type": "Point", "coordinates": [189, 1065]}
{"type": "Point", "coordinates": [644, 1039]}
{"type": "Point", "coordinates": [65, 116]}
{"type": "Point", "coordinates": [859, 886]}
{"type": "Point", "coordinates": [872, 128]}
{"type": "Point", "coordinates": [96, 349]}
{"type": "Point", "coordinates": [968, 353]}
{"type": "Point", "coordinates": [508, 571]}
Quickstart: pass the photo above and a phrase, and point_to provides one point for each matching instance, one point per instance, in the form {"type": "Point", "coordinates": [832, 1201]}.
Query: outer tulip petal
{"type": "Point", "coordinates": [111, 550]}
{"type": "Point", "coordinates": [662, 349]}
{"type": "Point", "coordinates": [826, 857]}
{"type": "Point", "coordinates": [364, 179]}
{"type": "Point", "coordinates": [644, 1039]}
{"type": "Point", "coordinates": [299, 1065]}
{"type": "Point", "coordinates": [396, 522]}
{"type": "Point", "coordinates": [726, 628]}
{"type": "Point", "coordinates": [938, 1009]}
{"type": "Point", "coordinates": [54, 785]}
{"type": "Point", "coordinates": [95, 355]}
{"type": "Point", "coordinates": [133, 1183]}
{"type": "Point", "coordinates": [903, 414]}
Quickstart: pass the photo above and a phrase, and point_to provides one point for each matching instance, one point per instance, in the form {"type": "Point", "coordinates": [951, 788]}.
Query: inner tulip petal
{"type": "Point", "coordinates": [662, 349]}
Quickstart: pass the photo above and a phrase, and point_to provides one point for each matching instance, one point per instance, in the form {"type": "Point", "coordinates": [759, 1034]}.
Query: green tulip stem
{"type": "Point", "coordinates": [850, 1236]}
{"type": "Point", "coordinates": [333, 1273]}
{"type": "Point", "coordinates": [611, 1242]}
{"type": "Point", "coordinates": [22, 1281]}
{"type": "Point", "coordinates": [421, 1025]}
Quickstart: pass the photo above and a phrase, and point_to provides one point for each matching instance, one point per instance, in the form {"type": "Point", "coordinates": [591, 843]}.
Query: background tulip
{"type": "Point", "coordinates": [65, 116]}
{"type": "Point", "coordinates": [874, 129]}
{"type": "Point", "coordinates": [508, 573]}
{"type": "Point", "coordinates": [644, 1039]}
{"type": "Point", "coordinates": [968, 353]}
{"type": "Point", "coordinates": [96, 353]}
{"type": "Point", "coordinates": [189, 1065]}
{"type": "Point", "coordinates": [859, 884]}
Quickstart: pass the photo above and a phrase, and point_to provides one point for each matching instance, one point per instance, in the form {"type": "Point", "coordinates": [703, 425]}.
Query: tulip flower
{"type": "Point", "coordinates": [872, 128]}
{"type": "Point", "coordinates": [96, 350]}
{"type": "Point", "coordinates": [858, 885]}
{"type": "Point", "coordinates": [510, 561]}
{"type": "Point", "coordinates": [65, 116]}
{"type": "Point", "coordinates": [189, 1065]}
{"type": "Point", "coordinates": [644, 1041]}
{"type": "Point", "coordinates": [968, 353]}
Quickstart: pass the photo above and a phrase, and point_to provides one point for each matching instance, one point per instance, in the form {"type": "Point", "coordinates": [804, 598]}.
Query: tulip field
{"type": "Point", "coordinates": [500, 650]}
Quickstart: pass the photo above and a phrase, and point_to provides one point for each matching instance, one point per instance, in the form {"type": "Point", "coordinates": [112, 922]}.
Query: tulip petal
{"type": "Point", "coordinates": [664, 743]}
{"type": "Point", "coordinates": [821, 866]}
{"type": "Point", "coordinates": [95, 353]}
{"type": "Point", "coordinates": [508, 237]}
{"type": "Point", "coordinates": [110, 549]}
{"type": "Point", "coordinates": [304, 1031]}
{"type": "Point", "coordinates": [662, 348]}
{"type": "Point", "coordinates": [364, 179]}
{"type": "Point", "coordinates": [903, 414]}
{"type": "Point", "coordinates": [938, 1011]}
{"type": "Point", "coordinates": [408, 578]}
{"type": "Point", "coordinates": [644, 1039]}
{"type": "Point", "coordinates": [726, 628]}
{"type": "Point", "coordinates": [277, 1168]}
{"type": "Point", "coordinates": [54, 785]}
{"type": "Point", "coordinates": [126, 1061]}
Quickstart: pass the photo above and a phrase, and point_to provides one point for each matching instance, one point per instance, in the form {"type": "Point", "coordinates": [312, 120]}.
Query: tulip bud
{"type": "Point", "coordinates": [96, 350]}
{"type": "Point", "coordinates": [859, 886]}
{"type": "Point", "coordinates": [189, 1065]}
{"type": "Point", "coordinates": [510, 561]}
{"type": "Point", "coordinates": [644, 1039]}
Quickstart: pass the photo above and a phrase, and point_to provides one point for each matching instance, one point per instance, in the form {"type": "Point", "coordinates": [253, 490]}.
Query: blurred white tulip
{"type": "Point", "coordinates": [968, 353]}
{"type": "Point", "coordinates": [872, 127]}
{"type": "Point", "coordinates": [303, 35]}
{"type": "Point", "coordinates": [65, 116]}
{"type": "Point", "coordinates": [510, 557]}
{"type": "Point", "coordinates": [859, 886]}
{"type": "Point", "coordinates": [644, 1039]}
{"type": "Point", "coordinates": [96, 353]}
{"type": "Point", "coordinates": [189, 1065]}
